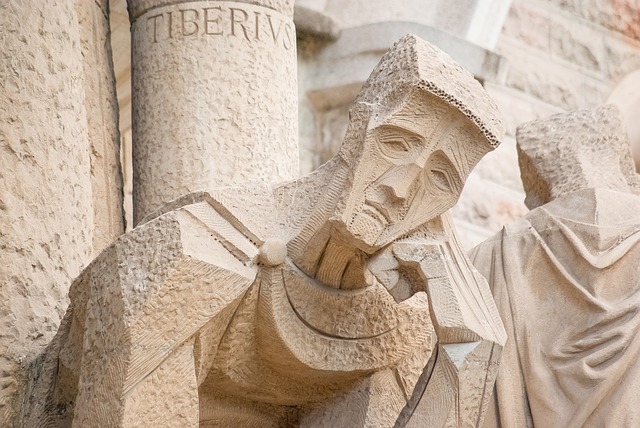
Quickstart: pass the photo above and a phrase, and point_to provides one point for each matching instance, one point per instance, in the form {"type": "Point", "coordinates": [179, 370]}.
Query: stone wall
{"type": "Point", "coordinates": [562, 54]}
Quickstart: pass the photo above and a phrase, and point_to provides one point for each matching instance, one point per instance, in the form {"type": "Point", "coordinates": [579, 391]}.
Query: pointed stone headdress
{"type": "Point", "coordinates": [572, 151]}
{"type": "Point", "coordinates": [413, 63]}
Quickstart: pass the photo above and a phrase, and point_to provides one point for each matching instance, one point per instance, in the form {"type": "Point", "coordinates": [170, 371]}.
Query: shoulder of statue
{"type": "Point", "coordinates": [250, 210]}
{"type": "Point", "coordinates": [229, 224]}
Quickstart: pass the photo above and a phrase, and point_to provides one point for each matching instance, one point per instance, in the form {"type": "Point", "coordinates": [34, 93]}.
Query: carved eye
{"type": "Point", "coordinates": [442, 174]}
{"type": "Point", "coordinates": [439, 178]}
{"type": "Point", "coordinates": [394, 147]}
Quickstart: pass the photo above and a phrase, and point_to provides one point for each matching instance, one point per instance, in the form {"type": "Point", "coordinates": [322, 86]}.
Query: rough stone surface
{"type": "Point", "coordinates": [564, 53]}
{"type": "Point", "coordinates": [46, 211]}
{"type": "Point", "coordinates": [139, 7]}
{"type": "Point", "coordinates": [565, 278]}
{"type": "Point", "coordinates": [206, 74]}
{"type": "Point", "coordinates": [623, 57]}
{"type": "Point", "coordinates": [554, 162]}
{"type": "Point", "coordinates": [539, 75]}
{"type": "Point", "coordinates": [342, 298]}
{"type": "Point", "coordinates": [572, 38]}
{"type": "Point", "coordinates": [622, 16]}
{"type": "Point", "coordinates": [488, 205]}
{"type": "Point", "coordinates": [102, 116]}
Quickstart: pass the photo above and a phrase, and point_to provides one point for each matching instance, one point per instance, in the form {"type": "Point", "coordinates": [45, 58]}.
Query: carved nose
{"type": "Point", "coordinates": [399, 182]}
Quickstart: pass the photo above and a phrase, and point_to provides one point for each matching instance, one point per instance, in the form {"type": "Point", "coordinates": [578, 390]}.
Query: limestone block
{"type": "Point", "coordinates": [501, 166]}
{"type": "Point", "coordinates": [102, 116]}
{"type": "Point", "coordinates": [565, 278]}
{"type": "Point", "coordinates": [46, 218]}
{"type": "Point", "coordinates": [312, 22]}
{"type": "Point", "coordinates": [493, 196]}
{"type": "Point", "coordinates": [547, 176]}
{"type": "Point", "coordinates": [361, 47]}
{"type": "Point", "coordinates": [216, 55]}
{"type": "Point", "coordinates": [121, 52]}
{"type": "Point", "coordinates": [488, 204]}
{"type": "Point", "coordinates": [318, 5]}
{"type": "Point", "coordinates": [623, 57]}
{"type": "Point", "coordinates": [469, 234]}
{"type": "Point", "coordinates": [332, 125]}
{"type": "Point", "coordinates": [565, 37]}
{"type": "Point", "coordinates": [357, 13]}
{"type": "Point", "coordinates": [551, 81]}
{"type": "Point", "coordinates": [528, 24]}
{"type": "Point", "coordinates": [575, 41]}
{"type": "Point", "coordinates": [477, 21]}
{"type": "Point", "coordinates": [521, 107]}
{"type": "Point", "coordinates": [621, 15]}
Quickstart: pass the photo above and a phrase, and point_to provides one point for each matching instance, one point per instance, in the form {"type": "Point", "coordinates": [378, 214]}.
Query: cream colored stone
{"type": "Point", "coordinates": [477, 21]}
{"type": "Point", "coordinates": [554, 163]}
{"type": "Point", "coordinates": [339, 299]}
{"type": "Point", "coordinates": [521, 108]}
{"type": "Point", "coordinates": [333, 76]}
{"type": "Point", "coordinates": [214, 96]}
{"type": "Point", "coordinates": [311, 22]}
{"type": "Point", "coordinates": [565, 54]}
{"type": "Point", "coordinates": [581, 26]}
{"type": "Point", "coordinates": [102, 116]}
{"type": "Point", "coordinates": [488, 205]}
{"type": "Point", "coordinates": [46, 212]}
{"type": "Point", "coordinates": [538, 74]}
{"type": "Point", "coordinates": [564, 37]}
{"type": "Point", "coordinates": [621, 15]}
{"type": "Point", "coordinates": [565, 278]}
{"type": "Point", "coordinates": [626, 96]}
{"type": "Point", "coordinates": [623, 57]}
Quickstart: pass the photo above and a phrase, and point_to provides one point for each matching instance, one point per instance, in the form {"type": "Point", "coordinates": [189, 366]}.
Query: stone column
{"type": "Point", "coordinates": [214, 96]}
{"type": "Point", "coordinates": [46, 213]}
{"type": "Point", "coordinates": [102, 116]}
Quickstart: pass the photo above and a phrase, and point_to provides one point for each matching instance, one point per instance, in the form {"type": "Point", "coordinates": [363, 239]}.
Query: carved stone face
{"type": "Point", "coordinates": [413, 167]}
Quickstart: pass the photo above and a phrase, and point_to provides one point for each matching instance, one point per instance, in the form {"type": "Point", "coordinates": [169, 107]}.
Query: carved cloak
{"type": "Point", "coordinates": [566, 280]}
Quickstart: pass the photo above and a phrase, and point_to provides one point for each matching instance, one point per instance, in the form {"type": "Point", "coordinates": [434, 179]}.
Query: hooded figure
{"type": "Point", "coordinates": [566, 279]}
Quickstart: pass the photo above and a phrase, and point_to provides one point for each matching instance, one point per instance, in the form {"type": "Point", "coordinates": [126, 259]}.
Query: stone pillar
{"type": "Point", "coordinates": [46, 213]}
{"type": "Point", "coordinates": [102, 116]}
{"type": "Point", "coordinates": [214, 96]}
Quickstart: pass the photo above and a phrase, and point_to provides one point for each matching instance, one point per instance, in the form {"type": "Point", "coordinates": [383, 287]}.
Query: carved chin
{"type": "Point", "coordinates": [366, 228]}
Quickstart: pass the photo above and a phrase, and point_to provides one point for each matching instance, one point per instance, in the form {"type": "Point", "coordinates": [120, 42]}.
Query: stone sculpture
{"type": "Point", "coordinates": [566, 278]}
{"type": "Point", "coordinates": [341, 299]}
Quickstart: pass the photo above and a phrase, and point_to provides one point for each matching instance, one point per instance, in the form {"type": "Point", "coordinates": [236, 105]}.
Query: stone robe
{"type": "Point", "coordinates": [566, 279]}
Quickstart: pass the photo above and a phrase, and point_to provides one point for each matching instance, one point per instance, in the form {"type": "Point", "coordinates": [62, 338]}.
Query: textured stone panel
{"type": "Point", "coordinates": [622, 16]}
{"type": "Point", "coordinates": [537, 74]}
{"type": "Point", "coordinates": [102, 116]}
{"type": "Point", "coordinates": [214, 99]}
{"type": "Point", "coordinates": [566, 37]}
{"type": "Point", "coordinates": [46, 213]}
